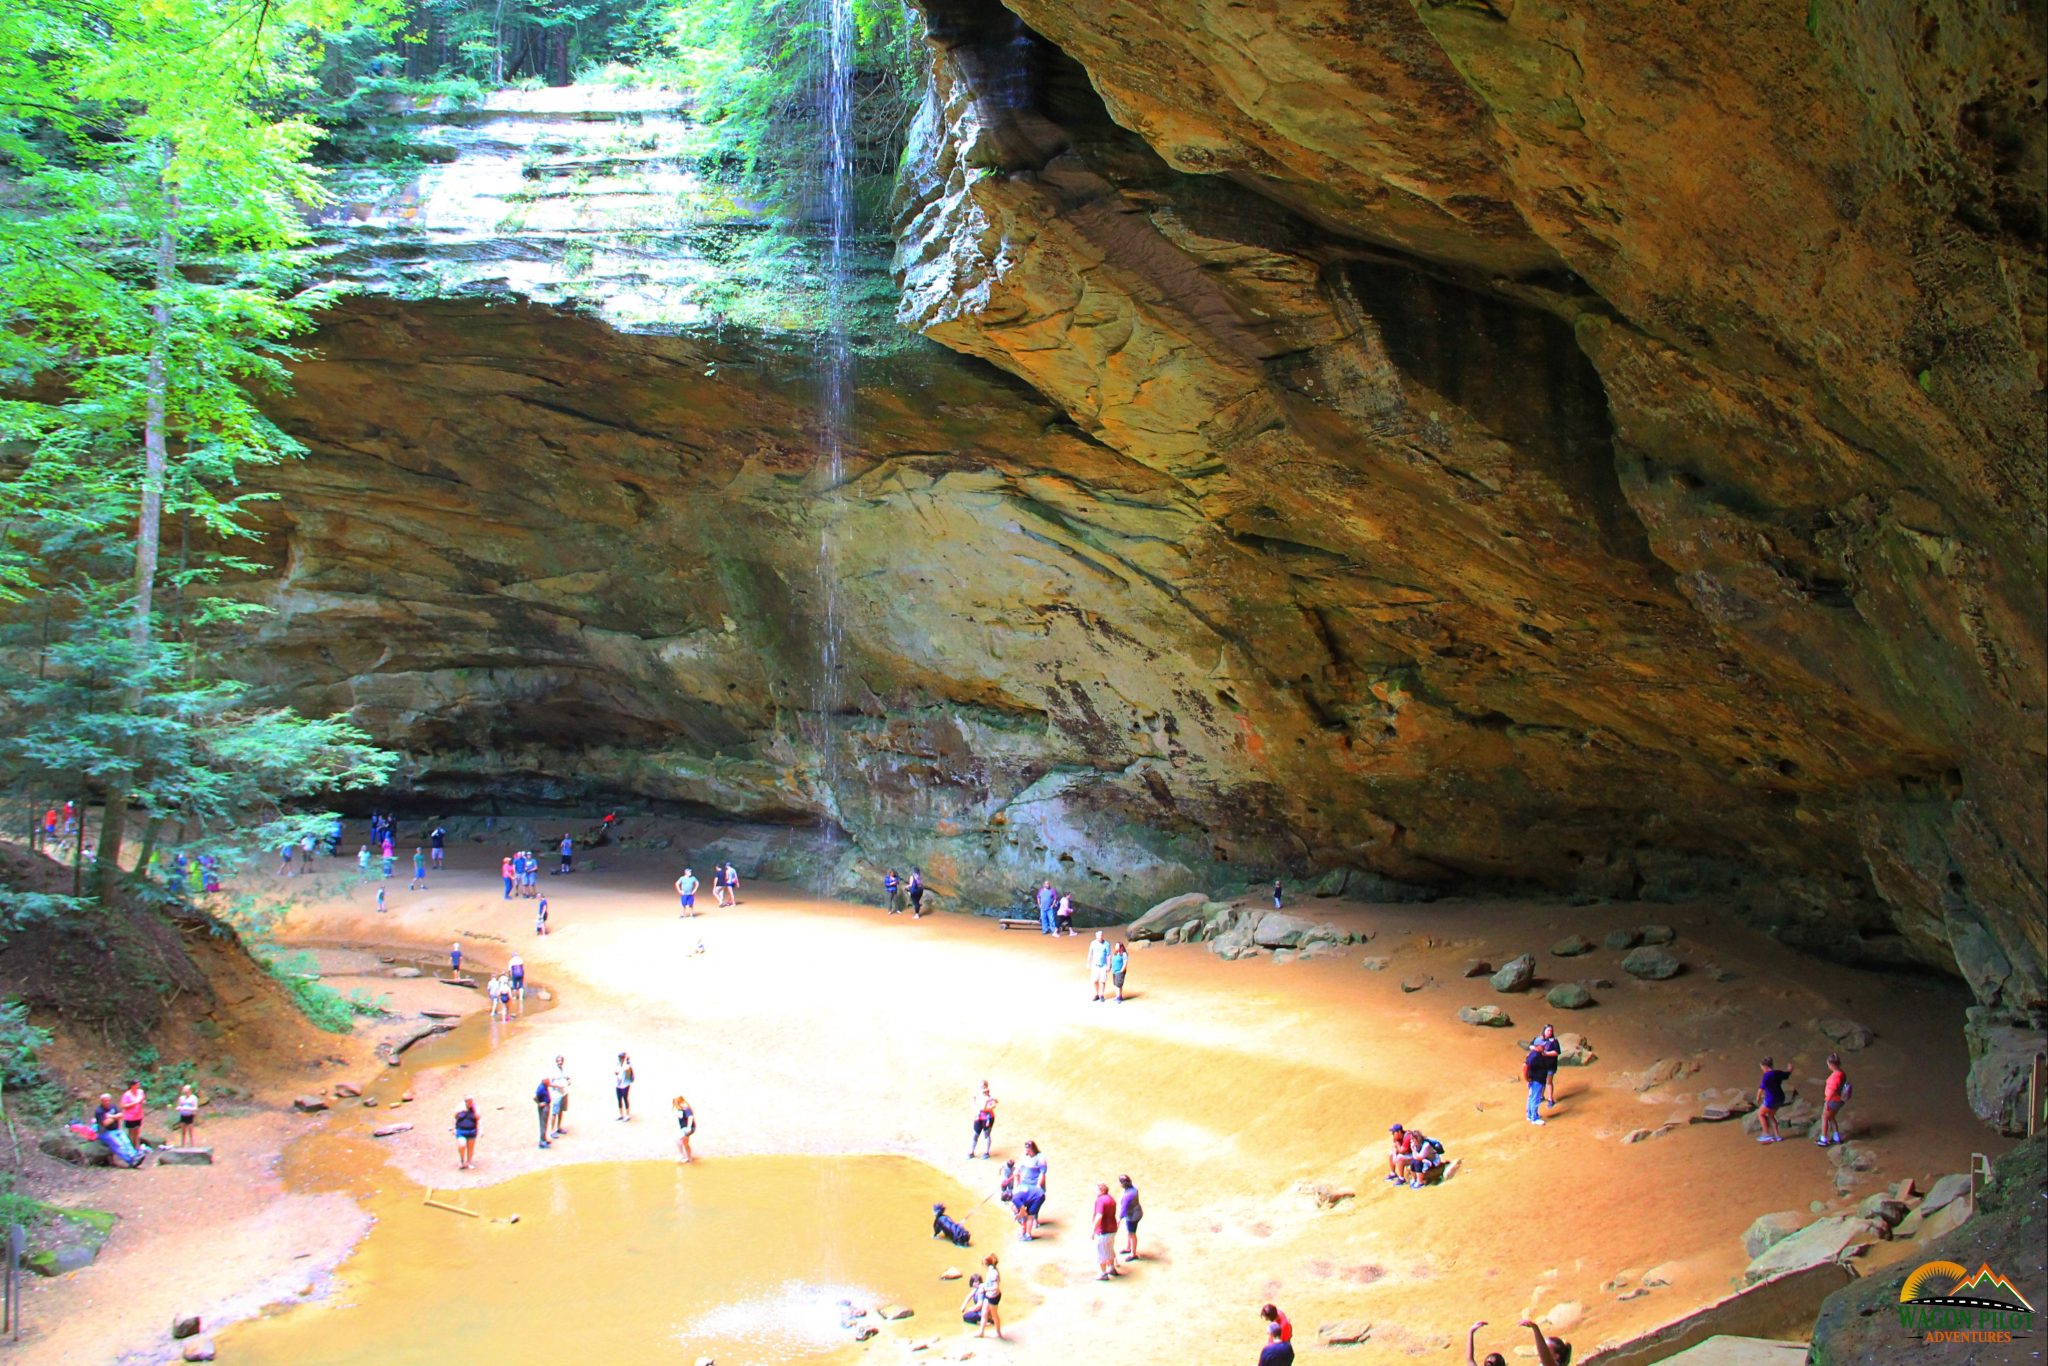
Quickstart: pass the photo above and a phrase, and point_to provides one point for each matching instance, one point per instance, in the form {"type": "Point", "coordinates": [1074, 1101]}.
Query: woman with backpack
{"type": "Point", "coordinates": [1832, 1101]}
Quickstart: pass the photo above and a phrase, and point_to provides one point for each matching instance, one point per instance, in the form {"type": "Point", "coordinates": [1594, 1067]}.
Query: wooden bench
{"type": "Point", "coordinates": [1017, 922]}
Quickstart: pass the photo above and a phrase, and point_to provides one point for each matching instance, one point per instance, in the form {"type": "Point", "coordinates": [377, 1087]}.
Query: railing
{"type": "Point", "coordinates": [17, 1244]}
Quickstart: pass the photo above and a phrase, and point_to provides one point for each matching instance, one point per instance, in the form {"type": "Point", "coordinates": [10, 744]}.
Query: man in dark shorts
{"type": "Point", "coordinates": [984, 1124]}
{"type": "Point", "coordinates": [437, 845]}
{"type": "Point", "coordinates": [1770, 1098]}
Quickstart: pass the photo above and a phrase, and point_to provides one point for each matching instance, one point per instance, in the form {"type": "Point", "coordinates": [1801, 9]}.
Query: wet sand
{"type": "Point", "coordinates": [1225, 1090]}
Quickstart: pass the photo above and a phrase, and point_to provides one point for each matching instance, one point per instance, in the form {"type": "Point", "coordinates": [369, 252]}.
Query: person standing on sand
{"type": "Point", "coordinates": [1832, 1100]}
{"type": "Point", "coordinates": [540, 917]}
{"type": "Point", "coordinates": [892, 897]}
{"type": "Point", "coordinates": [622, 1086]}
{"type": "Point", "coordinates": [1029, 1197]}
{"type": "Point", "coordinates": [917, 893]}
{"type": "Point", "coordinates": [1104, 1227]}
{"type": "Point", "coordinates": [382, 907]}
{"type": "Point", "coordinates": [505, 871]}
{"type": "Point", "coordinates": [363, 859]}
{"type": "Point", "coordinates": [984, 1124]}
{"type": "Point", "coordinates": [284, 859]}
{"type": "Point", "coordinates": [1536, 1071]}
{"type": "Point", "coordinates": [1130, 1212]}
{"type": "Point", "coordinates": [1063, 915]}
{"type": "Point", "coordinates": [558, 1099]}
{"type": "Point", "coordinates": [390, 856]}
{"type": "Point", "coordinates": [188, 1114]}
{"type": "Point", "coordinates": [134, 1105]}
{"type": "Point", "coordinates": [732, 884]}
{"type": "Point", "coordinates": [1770, 1098]}
{"type": "Point", "coordinates": [515, 971]}
{"type": "Point", "coordinates": [568, 856]}
{"type": "Point", "coordinates": [438, 843]}
{"type": "Point", "coordinates": [1277, 1351]}
{"type": "Point", "coordinates": [1119, 964]}
{"type": "Point", "coordinates": [991, 1297]}
{"type": "Point", "coordinates": [686, 894]}
{"type": "Point", "coordinates": [1276, 894]}
{"type": "Point", "coordinates": [465, 1135]}
{"type": "Point", "coordinates": [455, 958]}
{"type": "Point", "coordinates": [686, 1129]}
{"type": "Point", "coordinates": [544, 1108]}
{"type": "Point", "coordinates": [1098, 965]}
{"type": "Point", "coordinates": [1546, 1039]}
{"type": "Point", "coordinates": [1045, 900]}
{"type": "Point", "coordinates": [419, 872]}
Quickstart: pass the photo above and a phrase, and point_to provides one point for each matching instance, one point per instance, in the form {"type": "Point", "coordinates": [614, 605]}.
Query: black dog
{"type": "Point", "coordinates": [949, 1228]}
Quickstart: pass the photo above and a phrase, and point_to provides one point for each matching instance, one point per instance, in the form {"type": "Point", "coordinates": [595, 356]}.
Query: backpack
{"type": "Point", "coordinates": [1435, 1148]}
{"type": "Point", "coordinates": [1847, 1090]}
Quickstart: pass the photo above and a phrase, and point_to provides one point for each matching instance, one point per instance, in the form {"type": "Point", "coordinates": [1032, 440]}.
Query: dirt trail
{"type": "Point", "coordinates": [1223, 1089]}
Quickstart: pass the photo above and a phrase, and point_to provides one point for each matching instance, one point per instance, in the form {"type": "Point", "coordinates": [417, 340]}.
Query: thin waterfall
{"type": "Point", "coordinates": [835, 96]}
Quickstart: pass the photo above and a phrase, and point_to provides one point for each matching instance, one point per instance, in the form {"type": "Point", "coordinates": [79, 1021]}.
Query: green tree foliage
{"type": "Point", "coordinates": [151, 275]}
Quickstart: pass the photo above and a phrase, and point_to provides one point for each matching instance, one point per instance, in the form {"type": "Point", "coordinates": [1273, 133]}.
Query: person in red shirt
{"type": "Point", "coordinates": [1832, 1101]}
{"type": "Point", "coordinates": [1105, 1233]}
{"type": "Point", "coordinates": [1397, 1166]}
{"type": "Point", "coordinates": [134, 1103]}
{"type": "Point", "coordinates": [1271, 1314]}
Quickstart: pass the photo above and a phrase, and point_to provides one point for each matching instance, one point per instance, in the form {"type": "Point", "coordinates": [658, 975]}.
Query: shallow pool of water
{"type": "Point", "coordinates": [745, 1259]}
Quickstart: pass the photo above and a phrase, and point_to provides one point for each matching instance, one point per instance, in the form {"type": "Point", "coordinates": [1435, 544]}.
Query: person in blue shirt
{"type": "Point", "coordinates": [892, 894]}
{"type": "Point", "coordinates": [465, 1135]}
{"type": "Point", "coordinates": [1770, 1098]}
{"type": "Point", "coordinates": [1119, 962]}
{"type": "Point", "coordinates": [1276, 1352]}
{"type": "Point", "coordinates": [1045, 901]}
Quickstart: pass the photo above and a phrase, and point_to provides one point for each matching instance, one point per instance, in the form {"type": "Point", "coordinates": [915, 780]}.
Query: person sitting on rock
{"type": "Point", "coordinates": [1397, 1156]}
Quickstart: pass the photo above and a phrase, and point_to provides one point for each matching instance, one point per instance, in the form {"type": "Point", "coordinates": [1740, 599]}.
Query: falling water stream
{"type": "Point", "coordinates": [835, 97]}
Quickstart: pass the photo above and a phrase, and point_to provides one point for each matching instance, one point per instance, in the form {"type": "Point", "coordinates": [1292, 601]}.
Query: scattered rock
{"type": "Point", "coordinates": [1659, 1072]}
{"type": "Point", "coordinates": [951, 1273]}
{"type": "Point", "coordinates": [863, 1331]}
{"type": "Point", "coordinates": [1846, 1033]}
{"type": "Point", "coordinates": [1663, 1274]}
{"type": "Point", "coordinates": [1644, 1135]}
{"type": "Point", "coordinates": [1852, 1157]}
{"type": "Point", "coordinates": [1375, 964]}
{"type": "Point", "coordinates": [405, 972]}
{"type": "Point", "coordinates": [1279, 930]}
{"type": "Point", "coordinates": [1414, 984]}
{"type": "Point", "coordinates": [441, 1014]}
{"type": "Point", "coordinates": [1344, 1333]}
{"type": "Point", "coordinates": [309, 1104]}
{"type": "Point", "coordinates": [347, 1090]}
{"type": "Point", "coordinates": [1795, 1120]}
{"type": "Point", "coordinates": [184, 1325]}
{"type": "Point", "coordinates": [1945, 1191]}
{"type": "Point", "coordinates": [1634, 1294]}
{"type": "Point", "coordinates": [1284, 955]}
{"type": "Point", "coordinates": [1569, 996]}
{"type": "Point", "coordinates": [1516, 974]}
{"type": "Point", "coordinates": [184, 1157]}
{"type": "Point", "coordinates": [1655, 934]}
{"type": "Point", "coordinates": [79, 1152]}
{"type": "Point", "coordinates": [1768, 1230]}
{"type": "Point", "coordinates": [198, 1349]}
{"type": "Point", "coordinates": [1621, 1280]}
{"type": "Point", "coordinates": [1489, 1017]}
{"type": "Point", "coordinates": [1651, 964]}
{"type": "Point", "coordinates": [1575, 1051]}
{"type": "Point", "coordinates": [1824, 1240]}
{"type": "Point", "coordinates": [62, 1260]}
{"type": "Point", "coordinates": [1478, 967]}
{"type": "Point", "coordinates": [1943, 1221]}
{"type": "Point", "coordinates": [370, 1102]}
{"type": "Point", "coordinates": [1618, 940]}
{"type": "Point", "coordinates": [892, 1312]}
{"type": "Point", "coordinates": [1571, 946]}
{"type": "Point", "coordinates": [1883, 1206]}
{"type": "Point", "coordinates": [406, 1099]}
{"type": "Point", "coordinates": [1328, 1196]}
{"type": "Point", "coordinates": [1564, 1316]}
{"type": "Point", "coordinates": [390, 1130]}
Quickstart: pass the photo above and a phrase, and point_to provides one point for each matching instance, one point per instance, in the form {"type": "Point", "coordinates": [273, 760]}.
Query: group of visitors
{"type": "Point", "coordinates": [507, 989]}
{"type": "Point", "coordinates": [1770, 1098]}
{"type": "Point", "coordinates": [1550, 1351]}
{"type": "Point", "coordinates": [1539, 1071]}
{"type": "Point", "coordinates": [725, 888]}
{"type": "Point", "coordinates": [520, 872]}
{"type": "Point", "coordinates": [1055, 910]}
{"type": "Point", "coordinates": [117, 1125]}
{"type": "Point", "coordinates": [898, 892]}
{"type": "Point", "coordinates": [1414, 1160]}
{"type": "Point", "coordinates": [1107, 964]}
{"type": "Point", "coordinates": [983, 1307]}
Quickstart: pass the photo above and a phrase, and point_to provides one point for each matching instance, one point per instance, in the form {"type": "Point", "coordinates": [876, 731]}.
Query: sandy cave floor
{"type": "Point", "coordinates": [1223, 1089]}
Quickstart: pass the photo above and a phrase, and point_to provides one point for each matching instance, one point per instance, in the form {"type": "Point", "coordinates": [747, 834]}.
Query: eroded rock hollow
{"type": "Point", "coordinates": [1429, 445]}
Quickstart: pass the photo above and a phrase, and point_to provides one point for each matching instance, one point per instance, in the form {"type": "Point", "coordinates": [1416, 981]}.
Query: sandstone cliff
{"type": "Point", "coordinates": [1465, 443]}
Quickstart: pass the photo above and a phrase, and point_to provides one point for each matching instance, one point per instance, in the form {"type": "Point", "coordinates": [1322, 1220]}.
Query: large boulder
{"type": "Point", "coordinates": [1174, 910]}
{"type": "Point", "coordinates": [1571, 946]}
{"type": "Point", "coordinates": [1279, 930]}
{"type": "Point", "coordinates": [1846, 1034]}
{"type": "Point", "coordinates": [1766, 1231]}
{"type": "Point", "coordinates": [1649, 963]}
{"type": "Point", "coordinates": [1825, 1240]}
{"type": "Point", "coordinates": [1619, 940]}
{"type": "Point", "coordinates": [1569, 996]}
{"type": "Point", "coordinates": [1515, 974]}
{"type": "Point", "coordinates": [2001, 1068]}
{"type": "Point", "coordinates": [79, 1152]}
{"type": "Point", "coordinates": [1488, 1017]}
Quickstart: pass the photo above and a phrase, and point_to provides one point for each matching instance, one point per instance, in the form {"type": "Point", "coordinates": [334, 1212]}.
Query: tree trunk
{"type": "Point", "coordinates": [155, 461]}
